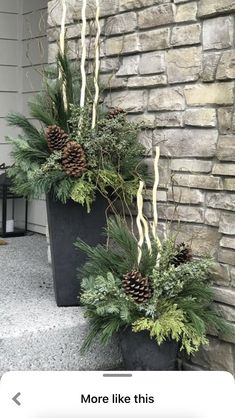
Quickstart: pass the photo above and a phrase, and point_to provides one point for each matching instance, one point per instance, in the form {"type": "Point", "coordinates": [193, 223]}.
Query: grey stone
{"type": "Point", "coordinates": [145, 139]}
{"type": "Point", "coordinates": [186, 35]}
{"type": "Point", "coordinates": [161, 195]}
{"type": "Point", "coordinates": [186, 142]}
{"type": "Point", "coordinates": [232, 272]}
{"type": "Point", "coordinates": [184, 64]}
{"type": "Point", "coordinates": [228, 242]}
{"type": "Point", "coordinates": [110, 81]}
{"type": "Point", "coordinates": [55, 12]}
{"type": "Point", "coordinates": [156, 16]}
{"type": "Point", "coordinates": [201, 117]}
{"type": "Point", "coordinates": [227, 224]}
{"type": "Point", "coordinates": [225, 119]}
{"type": "Point", "coordinates": [209, 66]}
{"type": "Point", "coordinates": [147, 119]}
{"type": "Point", "coordinates": [180, 213]}
{"type": "Point", "coordinates": [108, 65]}
{"type": "Point", "coordinates": [191, 165]}
{"type": "Point", "coordinates": [122, 23]}
{"type": "Point", "coordinates": [199, 181]}
{"type": "Point", "coordinates": [220, 274]}
{"type": "Point", "coordinates": [213, 7]}
{"type": "Point", "coordinates": [212, 217]}
{"type": "Point", "coordinates": [129, 66]}
{"type": "Point", "coordinates": [227, 312]}
{"type": "Point", "coordinates": [155, 39]}
{"type": "Point", "coordinates": [226, 296]}
{"type": "Point", "coordinates": [185, 195]}
{"type": "Point", "coordinates": [166, 99]}
{"type": "Point", "coordinates": [152, 63]}
{"type": "Point", "coordinates": [224, 169]}
{"type": "Point", "coordinates": [107, 8]}
{"type": "Point", "coordinates": [135, 4]}
{"type": "Point", "coordinates": [169, 119]}
{"type": "Point", "coordinates": [215, 356]}
{"type": "Point", "coordinates": [147, 81]}
{"type": "Point", "coordinates": [226, 148]}
{"type": "Point", "coordinates": [229, 184]}
{"type": "Point", "coordinates": [35, 334]}
{"type": "Point", "coordinates": [218, 32]}
{"type": "Point", "coordinates": [122, 44]}
{"type": "Point", "coordinates": [186, 12]}
{"type": "Point", "coordinates": [224, 201]}
{"type": "Point", "coordinates": [226, 67]}
{"type": "Point", "coordinates": [209, 94]}
{"type": "Point", "coordinates": [131, 101]}
{"type": "Point", "coordinates": [164, 172]}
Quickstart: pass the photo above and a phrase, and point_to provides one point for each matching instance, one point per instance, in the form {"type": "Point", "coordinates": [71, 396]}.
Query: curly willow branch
{"type": "Point", "coordinates": [155, 186]}
{"type": "Point", "coordinates": [83, 59]}
{"type": "Point", "coordinates": [97, 64]}
{"type": "Point", "coordinates": [141, 220]}
{"type": "Point", "coordinates": [62, 47]}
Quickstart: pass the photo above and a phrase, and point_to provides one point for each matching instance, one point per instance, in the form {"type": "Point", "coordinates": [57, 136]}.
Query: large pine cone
{"type": "Point", "coordinates": [74, 159]}
{"type": "Point", "coordinates": [56, 138]}
{"type": "Point", "coordinates": [137, 286]}
{"type": "Point", "coordinates": [183, 255]}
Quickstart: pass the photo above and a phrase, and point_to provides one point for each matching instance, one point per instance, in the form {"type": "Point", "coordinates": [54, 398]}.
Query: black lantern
{"type": "Point", "coordinates": [13, 209]}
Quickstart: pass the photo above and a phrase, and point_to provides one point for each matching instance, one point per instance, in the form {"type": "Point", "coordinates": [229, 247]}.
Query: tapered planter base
{"type": "Point", "coordinates": [67, 222]}
{"type": "Point", "coordinates": [142, 353]}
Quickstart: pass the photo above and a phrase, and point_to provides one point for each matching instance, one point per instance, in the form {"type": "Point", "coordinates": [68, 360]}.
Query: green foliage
{"type": "Point", "coordinates": [180, 307]}
{"type": "Point", "coordinates": [83, 192]}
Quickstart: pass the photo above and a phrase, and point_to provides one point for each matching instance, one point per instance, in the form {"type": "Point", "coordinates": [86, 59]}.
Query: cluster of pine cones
{"type": "Point", "coordinates": [139, 287]}
{"type": "Point", "coordinates": [73, 156]}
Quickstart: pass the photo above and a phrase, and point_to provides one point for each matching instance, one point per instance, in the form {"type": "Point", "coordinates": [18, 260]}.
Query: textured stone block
{"type": "Point", "coordinates": [229, 184]}
{"type": "Point", "coordinates": [55, 12]}
{"type": "Point", "coordinates": [226, 67]}
{"type": "Point", "coordinates": [186, 35]}
{"type": "Point", "coordinates": [202, 117]}
{"type": "Point", "coordinates": [220, 274]}
{"type": "Point", "coordinates": [224, 201]}
{"type": "Point", "coordinates": [147, 81]}
{"type": "Point", "coordinates": [227, 256]}
{"type": "Point", "coordinates": [228, 243]}
{"type": "Point", "coordinates": [209, 94]}
{"type": "Point", "coordinates": [122, 23]}
{"type": "Point", "coordinates": [212, 217]}
{"type": "Point", "coordinates": [129, 66]}
{"type": "Point", "coordinates": [202, 238]}
{"type": "Point", "coordinates": [225, 119]}
{"type": "Point", "coordinates": [191, 165]}
{"type": "Point", "coordinates": [198, 181]}
{"type": "Point", "coordinates": [109, 65]}
{"type": "Point", "coordinates": [215, 356]}
{"type": "Point", "coordinates": [156, 16]}
{"type": "Point", "coordinates": [122, 44]}
{"type": "Point", "coordinates": [155, 39]}
{"type": "Point", "coordinates": [164, 172]}
{"type": "Point", "coordinates": [209, 66]}
{"type": "Point", "coordinates": [152, 63]}
{"type": "Point", "coordinates": [184, 64]}
{"type": "Point", "coordinates": [185, 195]}
{"type": "Point", "coordinates": [131, 101]}
{"type": "Point", "coordinates": [110, 82]}
{"type": "Point", "coordinates": [148, 119]}
{"type": "Point", "coordinates": [227, 224]}
{"type": "Point", "coordinates": [186, 12]}
{"type": "Point", "coordinates": [232, 272]}
{"type": "Point", "coordinates": [213, 7]}
{"type": "Point", "coordinates": [181, 213]}
{"type": "Point", "coordinates": [166, 99]}
{"type": "Point", "coordinates": [218, 32]}
{"type": "Point", "coordinates": [107, 8]}
{"type": "Point", "coordinates": [135, 4]}
{"type": "Point", "coordinates": [226, 148]}
{"type": "Point", "coordinates": [186, 142]}
{"type": "Point", "coordinates": [161, 195]}
{"type": "Point", "coordinates": [169, 119]}
{"type": "Point", "coordinates": [224, 169]}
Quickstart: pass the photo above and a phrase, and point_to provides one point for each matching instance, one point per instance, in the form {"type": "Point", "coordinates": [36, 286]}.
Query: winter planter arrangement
{"type": "Point", "coordinates": [83, 158]}
{"type": "Point", "coordinates": [151, 292]}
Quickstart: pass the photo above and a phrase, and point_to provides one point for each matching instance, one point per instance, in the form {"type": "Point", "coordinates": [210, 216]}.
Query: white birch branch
{"type": "Point", "coordinates": [83, 58]}
{"type": "Point", "coordinates": [97, 65]}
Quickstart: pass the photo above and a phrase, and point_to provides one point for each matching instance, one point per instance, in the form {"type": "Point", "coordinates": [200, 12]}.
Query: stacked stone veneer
{"type": "Point", "coordinates": [172, 64]}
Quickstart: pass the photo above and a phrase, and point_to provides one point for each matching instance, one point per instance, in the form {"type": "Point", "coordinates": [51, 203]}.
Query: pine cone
{"type": "Point", "coordinates": [137, 286]}
{"type": "Point", "coordinates": [56, 138]}
{"type": "Point", "coordinates": [74, 159]}
{"type": "Point", "coordinates": [114, 112]}
{"type": "Point", "coordinates": [184, 255]}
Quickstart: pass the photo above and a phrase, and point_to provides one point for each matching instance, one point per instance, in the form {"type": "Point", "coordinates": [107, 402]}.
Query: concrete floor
{"type": "Point", "coordinates": [34, 333]}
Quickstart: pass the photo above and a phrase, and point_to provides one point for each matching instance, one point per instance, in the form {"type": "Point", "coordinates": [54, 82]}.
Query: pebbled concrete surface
{"type": "Point", "coordinates": [34, 333]}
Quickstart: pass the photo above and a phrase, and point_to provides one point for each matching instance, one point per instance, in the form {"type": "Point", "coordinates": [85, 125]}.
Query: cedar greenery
{"type": "Point", "coordinates": [180, 307]}
{"type": "Point", "coordinates": [113, 154]}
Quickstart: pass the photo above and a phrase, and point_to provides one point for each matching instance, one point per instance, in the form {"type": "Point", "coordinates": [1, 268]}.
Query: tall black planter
{"type": "Point", "coordinates": [140, 352]}
{"type": "Point", "coordinates": [67, 222]}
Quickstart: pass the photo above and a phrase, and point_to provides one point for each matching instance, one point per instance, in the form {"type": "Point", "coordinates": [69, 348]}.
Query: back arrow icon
{"type": "Point", "coordinates": [15, 399]}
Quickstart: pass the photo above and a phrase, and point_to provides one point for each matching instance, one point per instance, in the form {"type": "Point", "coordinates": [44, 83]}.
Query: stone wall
{"type": "Point", "coordinates": [172, 64]}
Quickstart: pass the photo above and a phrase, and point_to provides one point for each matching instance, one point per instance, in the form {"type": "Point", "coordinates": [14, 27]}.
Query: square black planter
{"type": "Point", "coordinates": [67, 222]}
